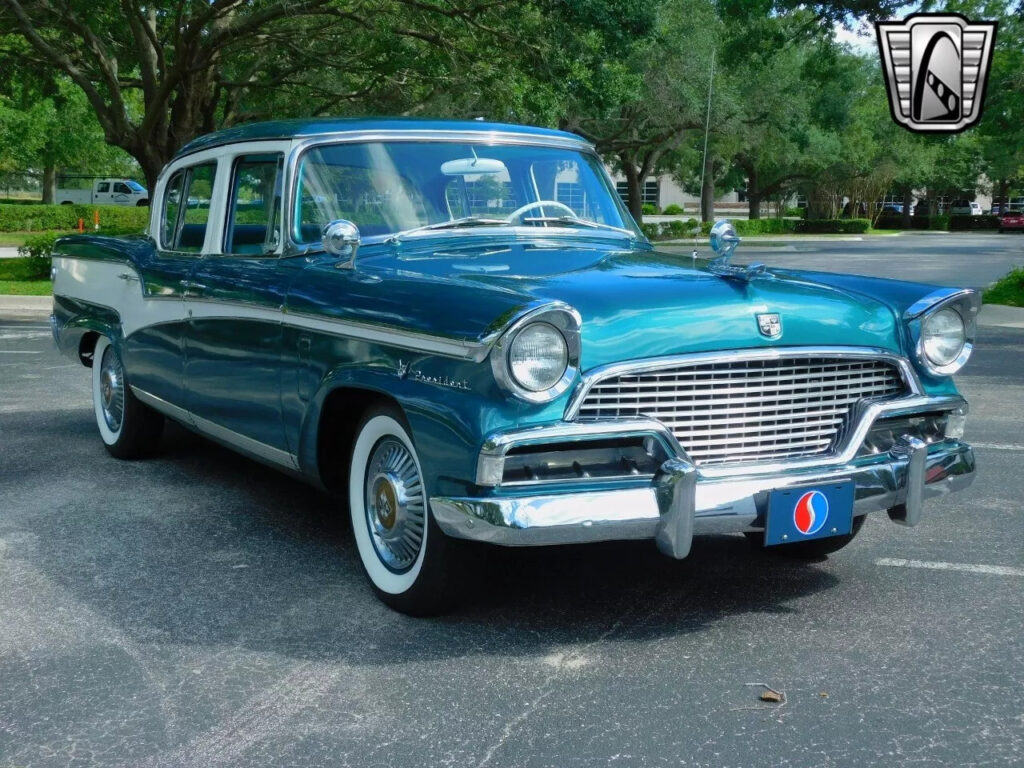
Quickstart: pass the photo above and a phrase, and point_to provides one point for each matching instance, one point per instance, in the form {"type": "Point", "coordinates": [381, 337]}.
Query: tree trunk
{"type": "Point", "coordinates": [634, 187]}
{"type": "Point", "coordinates": [49, 184]}
{"type": "Point", "coordinates": [908, 199]}
{"type": "Point", "coordinates": [707, 191]}
{"type": "Point", "coordinates": [1002, 196]}
{"type": "Point", "coordinates": [754, 193]}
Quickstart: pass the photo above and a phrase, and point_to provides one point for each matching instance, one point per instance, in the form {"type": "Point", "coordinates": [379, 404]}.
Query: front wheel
{"type": "Point", "coordinates": [813, 549]}
{"type": "Point", "coordinates": [408, 560]}
{"type": "Point", "coordinates": [129, 428]}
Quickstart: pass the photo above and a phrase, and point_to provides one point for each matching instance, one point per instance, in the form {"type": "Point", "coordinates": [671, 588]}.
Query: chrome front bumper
{"type": "Point", "coordinates": [679, 503]}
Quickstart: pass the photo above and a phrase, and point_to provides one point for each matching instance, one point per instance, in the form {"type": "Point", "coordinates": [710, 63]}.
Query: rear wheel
{"type": "Point", "coordinates": [813, 549]}
{"type": "Point", "coordinates": [129, 429]}
{"type": "Point", "coordinates": [409, 562]}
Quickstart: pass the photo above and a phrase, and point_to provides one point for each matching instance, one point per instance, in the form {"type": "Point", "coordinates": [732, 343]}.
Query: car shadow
{"type": "Point", "coordinates": [202, 546]}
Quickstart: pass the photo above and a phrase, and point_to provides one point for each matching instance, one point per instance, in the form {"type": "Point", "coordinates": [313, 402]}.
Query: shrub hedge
{"type": "Point", "coordinates": [960, 223]}
{"type": "Point", "coordinates": [673, 210]}
{"type": "Point", "coordinates": [834, 226]}
{"type": "Point", "coordinates": [745, 227]}
{"type": "Point", "coordinates": [40, 218]}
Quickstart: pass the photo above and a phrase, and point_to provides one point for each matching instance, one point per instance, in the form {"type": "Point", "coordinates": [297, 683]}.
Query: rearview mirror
{"type": "Point", "coordinates": [472, 166]}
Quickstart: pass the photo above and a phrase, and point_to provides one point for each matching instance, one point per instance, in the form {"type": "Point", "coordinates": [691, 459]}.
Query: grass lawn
{"type": "Point", "coordinates": [26, 287]}
{"type": "Point", "coordinates": [25, 277]}
{"type": "Point", "coordinates": [13, 239]}
{"type": "Point", "coordinates": [1009, 290]}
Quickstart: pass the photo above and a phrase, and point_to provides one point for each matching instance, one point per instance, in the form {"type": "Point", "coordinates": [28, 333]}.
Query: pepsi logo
{"type": "Point", "coordinates": [810, 512]}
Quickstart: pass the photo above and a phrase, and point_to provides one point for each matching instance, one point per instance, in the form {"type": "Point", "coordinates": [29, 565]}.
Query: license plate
{"type": "Point", "coordinates": [809, 512]}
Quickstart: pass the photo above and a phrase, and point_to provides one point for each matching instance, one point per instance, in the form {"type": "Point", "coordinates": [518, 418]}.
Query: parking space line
{"type": "Point", "coordinates": [999, 446]}
{"type": "Point", "coordinates": [20, 352]}
{"type": "Point", "coordinates": [992, 570]}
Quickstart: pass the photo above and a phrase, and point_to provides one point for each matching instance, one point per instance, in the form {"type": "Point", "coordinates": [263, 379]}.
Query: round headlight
{"type": "Point", "coordinates": [538, 357]}
{"type": "Point", "coordinates": [943, 336]}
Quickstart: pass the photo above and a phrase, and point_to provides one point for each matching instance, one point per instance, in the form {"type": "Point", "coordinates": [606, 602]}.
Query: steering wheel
{"type": "Point", "coordinates": [518, 212]}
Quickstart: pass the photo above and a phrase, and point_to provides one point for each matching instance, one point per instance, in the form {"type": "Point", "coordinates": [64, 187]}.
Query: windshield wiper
{"type": "Point", "coordinates": [572, 221]}
{"type": "Point", "coordinates": [466, 221]}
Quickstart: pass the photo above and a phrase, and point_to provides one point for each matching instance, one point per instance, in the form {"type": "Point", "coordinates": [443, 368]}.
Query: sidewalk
{"type": "Point", "coordinates": [25, 307]}
{"type": "Point", "coordinates": [8, 252]}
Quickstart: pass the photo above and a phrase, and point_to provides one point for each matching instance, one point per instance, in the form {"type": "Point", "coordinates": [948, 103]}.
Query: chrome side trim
{"type": "Point", "coordinates": [167, 409]}
{"type": "Point", "coordinates": [217, 432]}
{"type": "Point", "coordinates": [596, 375]}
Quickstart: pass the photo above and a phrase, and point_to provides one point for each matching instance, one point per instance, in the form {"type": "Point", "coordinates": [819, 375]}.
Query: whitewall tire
{"type": "Point", "coordinates": [128, 428]}
{"type": "Point", "coordinates": [405, 556]}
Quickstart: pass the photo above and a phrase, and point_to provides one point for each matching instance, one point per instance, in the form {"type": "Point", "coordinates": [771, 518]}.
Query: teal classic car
{"type": "Point", "coordinates": [457, 329]}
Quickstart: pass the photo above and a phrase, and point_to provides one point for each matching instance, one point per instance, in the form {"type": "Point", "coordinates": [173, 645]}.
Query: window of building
{"type": "Point", "coordinates": [649, 193]}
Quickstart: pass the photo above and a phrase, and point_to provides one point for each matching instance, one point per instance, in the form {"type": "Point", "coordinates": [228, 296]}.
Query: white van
{"type": "Point", "coordinates": [106, 192]}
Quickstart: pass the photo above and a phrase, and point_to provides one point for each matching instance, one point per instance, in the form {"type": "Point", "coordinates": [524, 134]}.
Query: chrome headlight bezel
{"type": "Point", "coordinates": [567, 322]}
{"type": "Point", "coordinates": [966, 304]}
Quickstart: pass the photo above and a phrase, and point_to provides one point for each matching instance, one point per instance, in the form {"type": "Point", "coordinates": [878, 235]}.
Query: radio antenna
{"type": "Point", "coordinates": [707, 130]}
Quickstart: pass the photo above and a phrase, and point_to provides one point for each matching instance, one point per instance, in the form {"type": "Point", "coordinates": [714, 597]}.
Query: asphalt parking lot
{"type": "Point", "coordinates": [198, 609]}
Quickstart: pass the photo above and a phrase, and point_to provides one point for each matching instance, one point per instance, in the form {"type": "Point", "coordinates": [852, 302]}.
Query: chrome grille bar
{"type": "Point", "coordinates": [747, 410]}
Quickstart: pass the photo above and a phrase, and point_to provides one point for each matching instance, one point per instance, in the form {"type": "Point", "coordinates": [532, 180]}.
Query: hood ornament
{"type": "Point", "coordinates": [723, 242]}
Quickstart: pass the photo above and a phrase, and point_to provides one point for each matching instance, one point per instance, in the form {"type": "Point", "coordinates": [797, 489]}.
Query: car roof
{"type": "Point", "coordinates": [308, 127]}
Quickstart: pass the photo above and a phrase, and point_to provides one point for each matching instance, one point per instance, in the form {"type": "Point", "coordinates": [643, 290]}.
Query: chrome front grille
{"type": "Point", "coordinates": [747, 410]}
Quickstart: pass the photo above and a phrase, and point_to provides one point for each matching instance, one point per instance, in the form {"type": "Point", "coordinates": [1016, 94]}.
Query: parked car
{"type": "Point", "coordinates": [965, 208]}
{"type": "Point", "coordinates": [106, 192]}
{"type": "Point", "coordinates": [1011, 220]}
{"type": "Point", "coordinates": [358, 307]}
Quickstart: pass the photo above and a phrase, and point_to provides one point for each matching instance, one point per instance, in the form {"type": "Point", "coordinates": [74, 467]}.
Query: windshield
{"type": "Point", "coordinates": [393, 187]}
{"type": "Point", "coordinates": [136, 186]}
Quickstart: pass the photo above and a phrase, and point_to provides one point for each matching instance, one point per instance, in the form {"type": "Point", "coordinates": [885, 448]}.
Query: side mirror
{"type": "Point", "coordinates": [341, 239]}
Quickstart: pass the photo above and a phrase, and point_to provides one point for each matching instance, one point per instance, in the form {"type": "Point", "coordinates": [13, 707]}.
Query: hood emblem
{"type": "Point", "coordinates": [770, 324]}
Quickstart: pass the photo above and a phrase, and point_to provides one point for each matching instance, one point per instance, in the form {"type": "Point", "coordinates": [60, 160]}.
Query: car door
{"type": "Point", "coordinates": [101, 196]}
{"type": "Point", "coordinates": [232, 369]}
{"type": "Point", "coordinates": [155, 335]}
{"type": "Point", "coordinates": [121, 193]}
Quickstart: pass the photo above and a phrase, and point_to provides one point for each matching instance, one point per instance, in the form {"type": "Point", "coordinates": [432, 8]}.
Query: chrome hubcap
{"type": "Point", "coordinates": [395, 510]}
{"type": "Point", "coordinates": [112, 389]}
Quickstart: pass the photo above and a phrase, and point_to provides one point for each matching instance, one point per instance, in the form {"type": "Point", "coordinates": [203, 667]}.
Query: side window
{"type": "Point", "coordinates": [186, 210]}
{"type": "Point", "coordinates": [254, 222]}
{"type": "Point", "coordinates": [122, 188]}
{"type": "Point", "coordinates": [104, 186]}
{"type": "Point", "coordinates": [172, 205]}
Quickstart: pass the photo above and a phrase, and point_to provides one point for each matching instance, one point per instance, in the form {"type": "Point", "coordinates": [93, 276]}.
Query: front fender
{"type": "Point", "coordinates": [450, 406]}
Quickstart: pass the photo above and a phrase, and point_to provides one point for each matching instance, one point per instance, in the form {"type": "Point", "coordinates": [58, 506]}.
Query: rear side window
{"type": "Point", "coordinates": [186, 208]}
{"type": "Point", "coordinates": [254, 223]}
{"type": "Point", "coordinates": [103, 187]}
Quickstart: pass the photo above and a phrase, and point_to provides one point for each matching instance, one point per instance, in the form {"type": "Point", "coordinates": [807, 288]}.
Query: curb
{"type": "Point", "coordinates": [1001, 316]}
